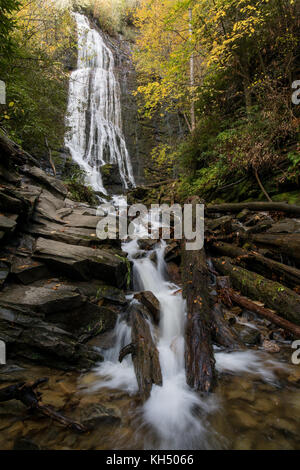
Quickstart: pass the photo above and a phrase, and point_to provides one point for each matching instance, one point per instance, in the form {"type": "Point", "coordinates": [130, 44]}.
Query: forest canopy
{"type": "Point", "coordinates": [225, 67]}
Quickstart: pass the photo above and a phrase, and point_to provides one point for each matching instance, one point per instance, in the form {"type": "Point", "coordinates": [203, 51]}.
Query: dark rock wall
{"type": "Point", "coordinates": [141, 134]}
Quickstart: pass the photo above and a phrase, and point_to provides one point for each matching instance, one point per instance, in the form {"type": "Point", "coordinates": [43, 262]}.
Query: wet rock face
{"type": "Point", "coordinates": [141, 134]}
{"type": "Point", "coordinates": [111, 178]}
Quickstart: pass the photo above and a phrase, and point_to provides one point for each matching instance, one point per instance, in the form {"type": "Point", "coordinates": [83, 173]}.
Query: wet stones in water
{"type": "Point", "coordinates": [248, 335]}
{"type": "Point", "coordinates": [94, 415]}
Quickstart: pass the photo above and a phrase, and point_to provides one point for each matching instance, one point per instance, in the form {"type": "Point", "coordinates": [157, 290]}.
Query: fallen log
{"type": "Point", "coordinates": [199, 356]}
{"type": "Point", "coordinates": [273, 294]}
{"type": "Point", "coordinates": [262, 265]}
{"type": "Point", "coordinates": [286, 243]}
{"type": "Point", "coordinates": [222, 335]}
{"type": "Point", "coordinates": [145, 358]}
{"type": "Point", "coordinates": [255, 206]}
{"type": "Point", "coordinates": [226, 292]}
{"type": "Point", "coordinates": [25, 392]}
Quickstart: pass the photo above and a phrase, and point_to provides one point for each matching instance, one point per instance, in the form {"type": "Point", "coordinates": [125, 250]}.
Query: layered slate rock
{"type": "Point", "coordinates": [83, 263]}
{"type": "Point", "coordinates": [26, 271]}
{"type": "Point", "coordinates": [34, 339]}
{"type": "Point", "coordinates": [62, 317]}
{"type": "Point", "coordinates": [41, 301]}
{"type": "Point", "coordinates": [49, 182]}
{"type": "Point", "coordinates": [61, 285]}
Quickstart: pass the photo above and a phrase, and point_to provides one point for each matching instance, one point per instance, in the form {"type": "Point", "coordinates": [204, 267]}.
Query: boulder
{"type": "Point", "coordinates": [174, 273]}
{"type": "Point", "coordinates": [10, 203]}
{"type": "Point", "coordinates": [172, 252]}
{"type": "Point", "coordinates": [147, 244]}
{"type": "Point", "coordinates": [85, 322]}
{"type": "Point", "coordinates": [84, 263]}
{"type": "Point", "coordinates": [247, 334]}
{"type": "Point", "coordinates": [94, 414]}
{"type": "Point", "coordinates": [101, 291]}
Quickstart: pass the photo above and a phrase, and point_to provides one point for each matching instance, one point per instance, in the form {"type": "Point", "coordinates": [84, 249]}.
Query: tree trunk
{"type": "Point", "coordinates": [25, 392]}
{"type": "Point", "coordinates": [264, 312]}
{"type": "Point", "coordinates": [221, 333]}
{"type": "Point", "coordinates": [192, 73]}
{"type": "Point", "coordinates": [287, 243]}
{"type": "Point", "coordinates": [273, 294]}
{"type": "Point", "coordinates": [199, 356]}
{"type": "Point", "coordinates": [255, 206]}
{"type": "Point", "coordinates": [255, 262]}
{"type": "Point", "coordinates": [145, 358]}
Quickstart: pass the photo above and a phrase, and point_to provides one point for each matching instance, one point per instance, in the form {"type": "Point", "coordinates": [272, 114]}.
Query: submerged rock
{"type": "Point", "coordinates": [95, 414]}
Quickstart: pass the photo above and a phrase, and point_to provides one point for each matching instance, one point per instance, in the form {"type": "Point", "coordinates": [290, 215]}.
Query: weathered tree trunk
{"type": "Point", "coordinates": [129, 349]}
{"type": "Point", "coordinates": [228, 295]}
{"type": "Point", "coordinates": [221, 333]}
{"type": "Point", "coordinates": [287, 243]}
{"type": "Point", "coordinates": [199, 356]}
{"type": "Point", "coordinates": [145, 355]}
{"type": "Point", "coordinates": [273, 294]}
{"type": "Point", "coordinates": [255, 206]}
{"type": "Point", "coordinates": [25, 392]}
{"type": "Point", "coordinates": [262, 265]}
{"type": "Point", "coordinates": [266, 313]}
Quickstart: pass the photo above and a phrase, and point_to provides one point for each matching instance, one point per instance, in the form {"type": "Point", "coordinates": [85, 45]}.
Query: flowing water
{"type": "Point", "coordinates": [94, 120]}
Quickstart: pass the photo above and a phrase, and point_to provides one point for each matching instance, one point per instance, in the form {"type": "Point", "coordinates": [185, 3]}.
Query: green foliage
{"type": "Point", "coordinates": [245, 59]}
{"type": "Point", "coordinates": [36, 76]}
{"type": "Point", "coordinates": [78, 189]}
{"type": "Point", "coordinates": [7, 24]}
{"type": "Point", "coordinates": [113, 16]}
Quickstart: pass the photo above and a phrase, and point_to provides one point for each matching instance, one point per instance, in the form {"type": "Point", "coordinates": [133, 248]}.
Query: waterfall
{"type": "Point", "coordinates": [94, 134]}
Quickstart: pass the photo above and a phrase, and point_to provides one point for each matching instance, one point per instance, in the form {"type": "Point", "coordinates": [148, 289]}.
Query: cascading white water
{"type": "Point", "coordinates": [173, 410]}
{"type": "Point", "coordinates": [94, 122]}
{"type": "Point", "coordinates": [176, 415]}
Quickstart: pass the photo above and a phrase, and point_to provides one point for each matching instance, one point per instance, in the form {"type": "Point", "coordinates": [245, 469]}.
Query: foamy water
{"type": "Point", "coordinates": [94, 120]}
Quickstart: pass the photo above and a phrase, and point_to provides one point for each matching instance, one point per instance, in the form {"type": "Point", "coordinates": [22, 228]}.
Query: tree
{"type": "Point", "coordinates": [7, 24]}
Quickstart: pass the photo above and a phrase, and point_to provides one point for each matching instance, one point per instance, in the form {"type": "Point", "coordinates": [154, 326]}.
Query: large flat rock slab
{"type": "Point", "coordinates": [83, 263]}
{"type": "Point", "coordinates": [41, 300]}
{"type": "Point", "coordinates": [26, 270]}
